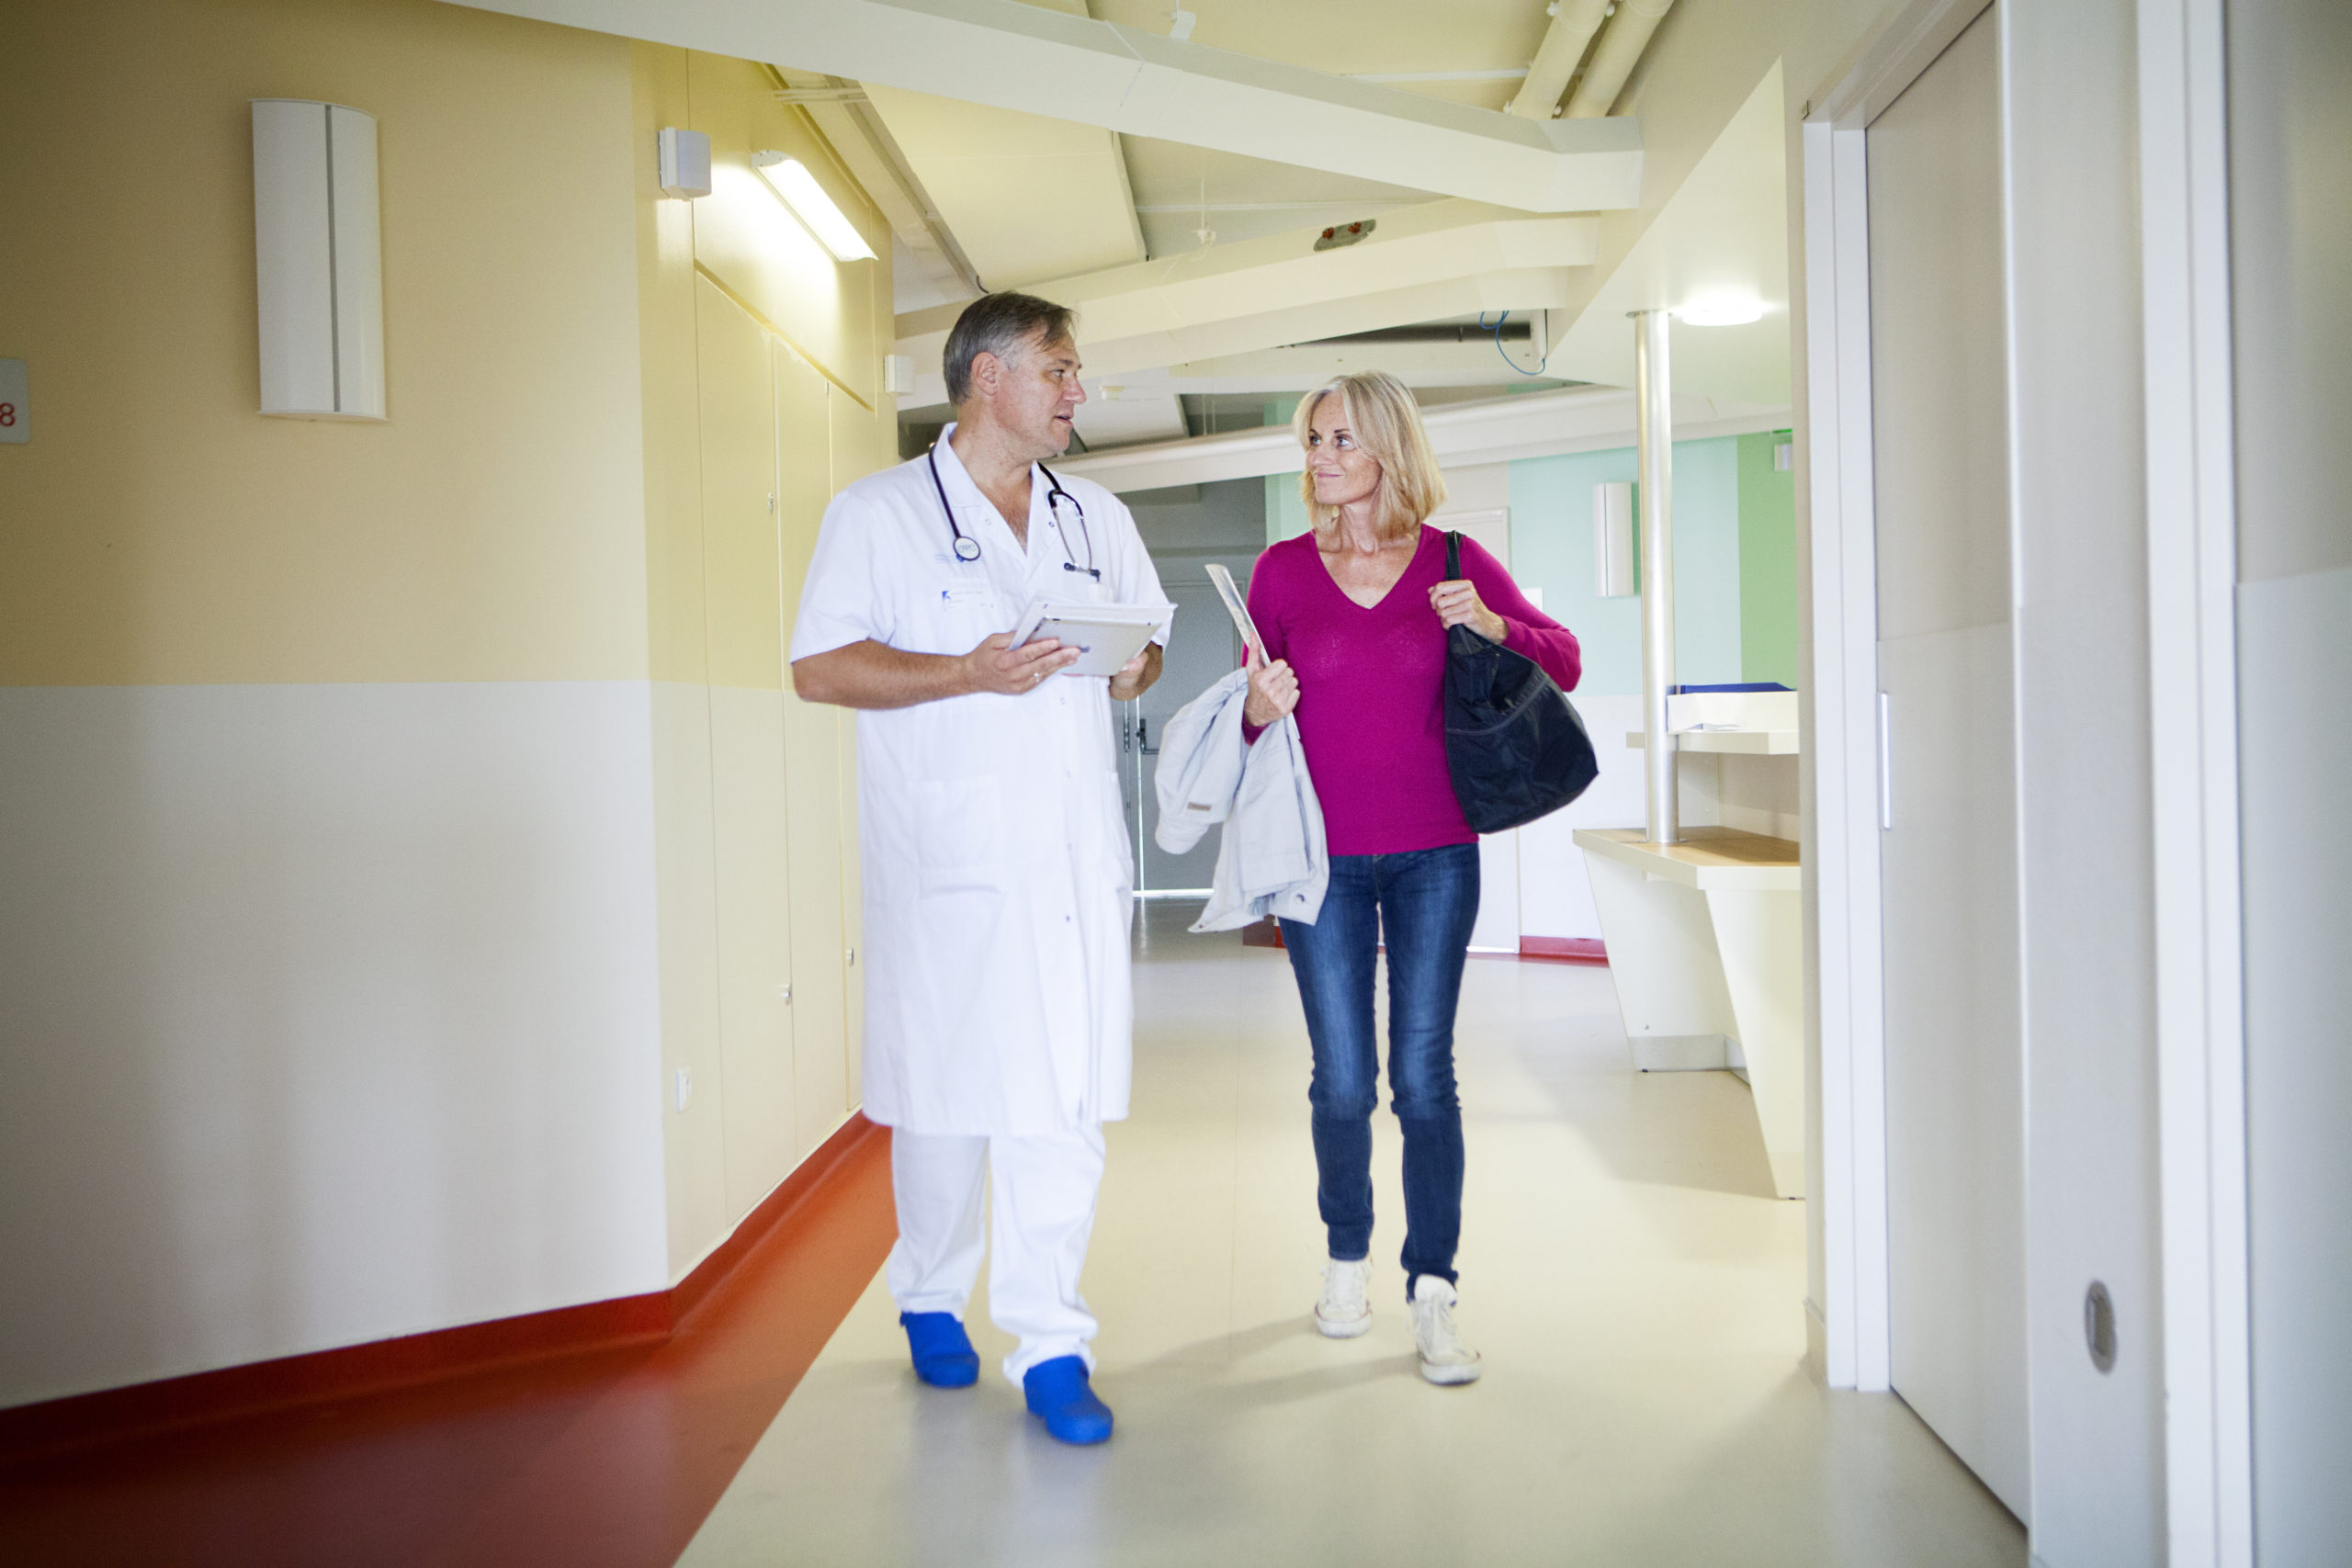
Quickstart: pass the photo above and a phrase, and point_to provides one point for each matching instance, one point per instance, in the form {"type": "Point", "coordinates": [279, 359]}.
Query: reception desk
{"type": "Point", "coordinates": [1705, 943]}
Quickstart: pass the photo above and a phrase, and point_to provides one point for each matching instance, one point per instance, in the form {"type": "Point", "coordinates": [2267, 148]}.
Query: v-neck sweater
{"type": "Point", "coordinates": [1372, 686]}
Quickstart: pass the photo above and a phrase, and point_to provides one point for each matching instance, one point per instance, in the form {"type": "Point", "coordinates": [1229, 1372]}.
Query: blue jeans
{"type": "Point", "coordinates": [1428, 900]}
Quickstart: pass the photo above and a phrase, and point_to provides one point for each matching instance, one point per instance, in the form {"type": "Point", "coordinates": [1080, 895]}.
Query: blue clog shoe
{"type": "Point", "coordinates": [943, 1351]}
{"type": "Point", "coordinates": [1059, 1395]}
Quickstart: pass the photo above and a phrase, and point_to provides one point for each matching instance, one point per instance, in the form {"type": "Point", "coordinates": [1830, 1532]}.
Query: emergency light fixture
{"type": "Point", "coordinates": [791, 180]}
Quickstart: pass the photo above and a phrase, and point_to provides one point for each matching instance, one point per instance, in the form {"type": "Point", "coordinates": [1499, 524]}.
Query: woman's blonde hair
{"type": "Point", "coordinates": [1386, 425]}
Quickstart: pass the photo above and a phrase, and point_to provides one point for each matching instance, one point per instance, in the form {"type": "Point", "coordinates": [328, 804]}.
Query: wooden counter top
{"type": "Point", "coordinates": [1712, 860]}
{"type": "Point", "coordinates": [1730, 742]}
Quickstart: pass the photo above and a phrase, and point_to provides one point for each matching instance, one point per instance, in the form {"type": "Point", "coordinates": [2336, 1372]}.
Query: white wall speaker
{"type": "Point", "coordinates": [318, 260]}
{"type": "Point", "coordinates": [685, 159]}
{"type": "Point", "coordinates": [1612, 540]}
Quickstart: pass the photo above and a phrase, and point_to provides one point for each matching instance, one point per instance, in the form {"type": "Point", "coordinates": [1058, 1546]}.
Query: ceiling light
{"type": "Point", "coordinates": [1722, 310]}
{"type": "Point", "coordinates": [792, 181]}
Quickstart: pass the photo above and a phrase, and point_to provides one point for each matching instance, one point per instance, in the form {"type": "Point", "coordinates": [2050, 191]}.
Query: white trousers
{"type": "Point", "coordinates": [1040, 1220]}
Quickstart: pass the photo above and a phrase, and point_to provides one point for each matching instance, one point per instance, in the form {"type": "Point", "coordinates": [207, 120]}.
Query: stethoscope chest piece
{"type": "Point", "coordinates": [967, 549]}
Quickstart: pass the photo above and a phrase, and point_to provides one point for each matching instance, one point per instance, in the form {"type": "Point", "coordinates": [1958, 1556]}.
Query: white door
{"type": "Point", "coordinates": [1955, 1090]}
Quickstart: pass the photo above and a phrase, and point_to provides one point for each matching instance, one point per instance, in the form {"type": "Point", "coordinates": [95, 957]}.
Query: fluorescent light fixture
{"type": "Point", "coordinates": [789, 179]}
{"type": "Point", "coordinates": [1722, 310]}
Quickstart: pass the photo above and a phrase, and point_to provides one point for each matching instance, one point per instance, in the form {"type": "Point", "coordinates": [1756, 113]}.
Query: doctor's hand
{"type": "Point", "coordinates": [1137, 676]}
{"type": "Point", "coordinates": [1274, 691]}
{"type": "Point", "coordinates": [997, 666]}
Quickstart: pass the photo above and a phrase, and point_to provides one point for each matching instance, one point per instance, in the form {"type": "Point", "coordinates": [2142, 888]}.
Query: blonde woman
{"type": "Point", "coordinates": [1354, 617]}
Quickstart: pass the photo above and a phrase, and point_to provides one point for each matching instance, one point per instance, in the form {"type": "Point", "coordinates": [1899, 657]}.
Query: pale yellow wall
{"type": "Point", "coordinates": [157, 529]}
{"type": "Point", "coordinates": [593, 392]}
{"type": "Point", "coordinates": [751, 243]}
{"type": "Point", "coordinates": [666, 282]}
{"type": "Point", "coordinates": [762, 360]}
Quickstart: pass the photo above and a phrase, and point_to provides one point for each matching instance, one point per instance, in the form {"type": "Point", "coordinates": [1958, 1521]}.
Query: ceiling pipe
{"type": "Point", "coordinates": [1614, 57]}
{"type": "Point", "coordinates": [1573, 24]}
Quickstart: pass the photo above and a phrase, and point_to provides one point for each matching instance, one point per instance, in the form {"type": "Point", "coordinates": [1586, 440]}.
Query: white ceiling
{"type": "Point", "coordinates": [1724, 233]}
{"type": "Point", "coordinates": [1171, 190]}
{"type": "Point", "coordinates": [1027, 197]}
{"type": "Point", "coordinates": [1422, 262]}
{"type": "Point", "coordinates": [1723, 229]}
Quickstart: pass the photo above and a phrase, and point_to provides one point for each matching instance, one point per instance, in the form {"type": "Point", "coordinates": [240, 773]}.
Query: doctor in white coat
{"type": "Point", "coordinates": [997, 877]}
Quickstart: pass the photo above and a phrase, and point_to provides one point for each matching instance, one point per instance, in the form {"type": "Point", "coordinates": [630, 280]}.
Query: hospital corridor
{"type": "Point", "coordinates": [1623, 1263]}
{"type": "Point", "coordinates": [1069, 784]}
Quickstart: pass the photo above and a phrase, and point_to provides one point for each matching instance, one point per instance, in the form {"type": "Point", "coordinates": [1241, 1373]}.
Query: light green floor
{"type": "Point", "coordinates": [1636, 1289]}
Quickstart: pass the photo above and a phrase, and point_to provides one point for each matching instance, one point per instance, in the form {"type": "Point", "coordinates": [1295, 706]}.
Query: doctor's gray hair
{"type": "Point", "coordinates": [999, 324]}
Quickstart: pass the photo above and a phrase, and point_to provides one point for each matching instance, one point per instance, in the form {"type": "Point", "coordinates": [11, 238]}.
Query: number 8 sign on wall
{"type": "Point", "coordinates": [14, 388]}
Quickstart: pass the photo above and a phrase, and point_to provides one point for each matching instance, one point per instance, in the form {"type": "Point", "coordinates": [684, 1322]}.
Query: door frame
{"type": "Point", "coordinates": [2192, 581]}
{"type": "Point", "coordinates": [2192, 601]}
{"type": "Point", "coordinates": [1844, 738]}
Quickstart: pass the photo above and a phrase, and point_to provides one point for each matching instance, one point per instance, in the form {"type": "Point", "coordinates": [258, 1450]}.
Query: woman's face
{"type": "Point", "coordinates": [1342, 471]}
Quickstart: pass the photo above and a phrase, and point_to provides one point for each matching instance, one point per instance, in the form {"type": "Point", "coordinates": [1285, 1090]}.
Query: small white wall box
{"type": "Point", "coordinates": [898, 374]}
{"type": "Point", "coordinates": [1612, 540]}
{"type": "Point", "coordinates": [685, 157]}
{"type": "Point", "coordinates": [318, 260]}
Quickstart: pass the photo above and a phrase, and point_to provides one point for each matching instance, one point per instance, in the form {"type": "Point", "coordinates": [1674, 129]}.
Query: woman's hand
{"type": "Point", "coordinates": [1456, 603]}
{"type": "Point", "coordinates": [1274, 691]}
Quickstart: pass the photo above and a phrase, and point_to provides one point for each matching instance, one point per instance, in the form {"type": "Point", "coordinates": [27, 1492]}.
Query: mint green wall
{"type": "Point", "coordinates": [1551, 549]}
{"type": "Point", "coordinates": [1285, 507]}
{"type": "Point", "coordinates": [1768, 562]}
{"type": "Point", "coordinates": [1735, 556]}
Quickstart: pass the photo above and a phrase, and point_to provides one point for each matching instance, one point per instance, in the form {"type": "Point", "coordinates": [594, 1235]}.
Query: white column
{"type": "Point", "coordinates": [1652, 389]}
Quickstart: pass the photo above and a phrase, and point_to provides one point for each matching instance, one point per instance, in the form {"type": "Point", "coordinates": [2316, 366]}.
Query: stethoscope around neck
{"type": "Point", "coordinates": [968, 549]}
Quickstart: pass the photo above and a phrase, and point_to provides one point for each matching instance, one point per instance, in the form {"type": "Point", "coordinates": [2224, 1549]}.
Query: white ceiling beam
{"type": "Point", "coordinates": [1442, 258]}
{"type": "Point", "coordinates": [1501, 430]}
{"type": "Point", "coordinates": [1474, 360]}
{"type": "Point", "coordinates": [1014, 56]}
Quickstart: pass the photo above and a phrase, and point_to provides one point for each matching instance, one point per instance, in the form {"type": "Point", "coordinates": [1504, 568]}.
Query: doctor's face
{"type": "Point", "coordinates": [1035, 394]}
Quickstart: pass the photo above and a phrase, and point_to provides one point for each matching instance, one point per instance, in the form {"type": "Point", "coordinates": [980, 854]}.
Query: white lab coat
{"type": "Point", "coordinates": [998, 878]}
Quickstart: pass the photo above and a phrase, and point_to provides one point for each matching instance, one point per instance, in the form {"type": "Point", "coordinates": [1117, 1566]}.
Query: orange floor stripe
{"type": "Point", "coordinates": [609, 1459]}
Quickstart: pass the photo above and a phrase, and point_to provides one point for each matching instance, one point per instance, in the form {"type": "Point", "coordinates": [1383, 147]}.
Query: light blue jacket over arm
{"type": "Point", "coordinates": [1271, 859]}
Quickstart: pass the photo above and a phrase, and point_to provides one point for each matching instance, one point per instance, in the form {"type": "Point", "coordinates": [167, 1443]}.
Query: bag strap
{"type": "Point", "coordinates": [1453, 555]}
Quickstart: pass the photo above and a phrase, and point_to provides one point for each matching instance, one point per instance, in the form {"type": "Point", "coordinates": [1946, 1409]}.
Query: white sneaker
{"type": "Point", "coordinates": [1444, 1358]}
{"type": "Point", "coordinates": [1344, 1312]}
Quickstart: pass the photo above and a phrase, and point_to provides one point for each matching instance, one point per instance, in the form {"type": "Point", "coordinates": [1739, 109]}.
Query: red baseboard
{"type": "Point", "coordinates": [259, 1387]}
{"type": "Point", "coordinates": [1563, 948]}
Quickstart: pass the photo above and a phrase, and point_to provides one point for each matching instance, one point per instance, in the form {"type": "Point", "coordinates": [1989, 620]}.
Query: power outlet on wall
{"type": "Point", "coordinates": [685, 1087]}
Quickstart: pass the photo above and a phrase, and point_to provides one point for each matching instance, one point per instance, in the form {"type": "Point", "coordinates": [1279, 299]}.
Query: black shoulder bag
{"type": "Point", "coordinates": [1513, 743]}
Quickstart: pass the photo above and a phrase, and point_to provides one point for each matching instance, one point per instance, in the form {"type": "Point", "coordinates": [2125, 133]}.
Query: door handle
{"type": "Point", "coordinates": [1886, 764]}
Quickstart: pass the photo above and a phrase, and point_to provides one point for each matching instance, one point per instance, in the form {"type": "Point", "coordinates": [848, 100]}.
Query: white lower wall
{"type": "Point", "coordinates": [330, 1014]}
{"type": "Point", "coordinates": [1555, 893]}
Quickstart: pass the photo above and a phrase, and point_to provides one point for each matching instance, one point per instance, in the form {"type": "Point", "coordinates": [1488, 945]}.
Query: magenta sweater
{"type": "Point", "coordinates": [1371, 684]}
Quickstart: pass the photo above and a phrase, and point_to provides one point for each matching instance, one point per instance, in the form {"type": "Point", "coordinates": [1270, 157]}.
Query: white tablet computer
{"type": "Point", "coordinates": [1107, 636]}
